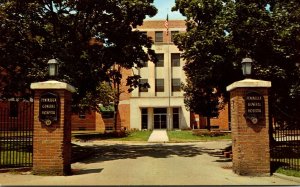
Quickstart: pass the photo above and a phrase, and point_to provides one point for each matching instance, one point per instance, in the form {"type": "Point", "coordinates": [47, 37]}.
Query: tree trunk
{"type": "Point", "coordinates": [208, 123]}
{"type": "Point", "coordinates": [116, 82]}
{"type": "Point", "coordinates": [116, 105]}
{"type": "Point", "coordinates": [116, 116]}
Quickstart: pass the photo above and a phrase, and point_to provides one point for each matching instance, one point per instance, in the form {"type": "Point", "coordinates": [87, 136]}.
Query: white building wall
{"type": "Point", "coordinates": [166, 99]}
{"type": "Point", "coordinates": [136, 104]}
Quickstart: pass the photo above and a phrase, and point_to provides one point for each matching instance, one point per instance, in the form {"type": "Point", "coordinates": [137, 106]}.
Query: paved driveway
{"type": "Point", "coordinates": [149, 164]}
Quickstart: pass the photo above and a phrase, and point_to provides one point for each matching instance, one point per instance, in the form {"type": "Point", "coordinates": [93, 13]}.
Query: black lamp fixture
{"type": "Point", "coordinates": [246, 67]}
{"type": "Point", "coordinates": [53, 67]}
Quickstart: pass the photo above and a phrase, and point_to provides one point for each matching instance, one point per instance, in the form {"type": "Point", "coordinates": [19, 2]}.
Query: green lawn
{"type": "Point", "coordinates": [15, 133]}
{"type": "Point", "coordinates": [174, 136]}
{"type": "Point", "coordinates": [135, 136]}
{"type": "Point", "coordinates": [15, 157]}
{"type": "Point", "coordinates": [187, 136]}
{"type": "Point", "coordinates": [288, 172]}
{"type": "Point", "coordinates": [129, 136]}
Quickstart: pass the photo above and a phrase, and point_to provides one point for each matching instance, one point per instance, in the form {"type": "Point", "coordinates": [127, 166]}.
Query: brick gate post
{"type": "Point", "coordinates": [250, 127]}
{"type": "Point", "coordinates": [52, 128]}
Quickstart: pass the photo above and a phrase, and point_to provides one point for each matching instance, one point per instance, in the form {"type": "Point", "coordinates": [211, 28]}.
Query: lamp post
{"type": "Point", "coordinates": [53, 67]}
{"type": "Point", "coordinates": [246, 67]}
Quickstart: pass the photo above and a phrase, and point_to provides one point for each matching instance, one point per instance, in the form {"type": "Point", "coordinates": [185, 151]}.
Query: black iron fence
{"type": "Point", "coordinates": [16, 134]}
{"type": "Point", "coordinates": [285, 140]}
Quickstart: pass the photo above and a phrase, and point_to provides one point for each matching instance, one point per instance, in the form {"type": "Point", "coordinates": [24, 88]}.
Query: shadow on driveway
{"type": "Point", "coordinates": [86, 171]}
{"type": "Point", "coordinates": [101, 153]}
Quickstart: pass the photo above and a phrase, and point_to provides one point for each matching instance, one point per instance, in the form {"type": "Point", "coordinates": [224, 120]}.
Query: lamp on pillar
{"type": "Point", "coordinates": [246, 67]}
{"type": "Point", "coordinates": [53, 67]}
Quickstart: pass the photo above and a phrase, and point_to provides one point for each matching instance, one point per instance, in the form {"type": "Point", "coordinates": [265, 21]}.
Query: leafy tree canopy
{"type": "Point", "coordinates": [220, 33]}
{"type": "Point", "coordinates": [86, 36]}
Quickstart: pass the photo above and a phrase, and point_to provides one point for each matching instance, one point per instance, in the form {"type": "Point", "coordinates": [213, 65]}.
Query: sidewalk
{"type": "Point", "coordinates": [198, 163]}
{"type": "Point", "coordinates": [158, 136]}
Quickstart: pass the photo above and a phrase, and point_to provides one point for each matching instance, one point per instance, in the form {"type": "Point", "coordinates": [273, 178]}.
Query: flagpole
{"type": "Point", "coordinates": [169, 71]}
{"type": "Point", "coordinates": [167, 25]}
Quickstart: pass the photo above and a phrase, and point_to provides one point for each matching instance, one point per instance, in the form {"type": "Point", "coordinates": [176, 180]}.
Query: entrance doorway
{"type": "Point", "coordinates": [160, 118]}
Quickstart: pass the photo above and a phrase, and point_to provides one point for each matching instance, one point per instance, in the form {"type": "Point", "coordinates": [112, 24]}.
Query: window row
{"type": "Point", "coordinates": [175, 60]}
{"type": "Point", "coordinates": [159, 36]}
{"type": "Point", "coordinates": [159, 85]}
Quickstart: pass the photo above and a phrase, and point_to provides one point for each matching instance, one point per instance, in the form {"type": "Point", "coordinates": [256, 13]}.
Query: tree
{"type": "Point", "coordinates": [118, 85]}
{"type": "Point", "coordinates": [222, 32]}
{"type": "Point", "coordinates": [86, 36]}
{"type": "Point", "coordinates": [116, 77]}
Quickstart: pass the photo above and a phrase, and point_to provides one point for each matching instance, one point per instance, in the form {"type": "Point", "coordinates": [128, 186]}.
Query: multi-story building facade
{"type": "Point", "coordinates": [159, 107]}
{"type": "Point", "coordinates": [162, 105]}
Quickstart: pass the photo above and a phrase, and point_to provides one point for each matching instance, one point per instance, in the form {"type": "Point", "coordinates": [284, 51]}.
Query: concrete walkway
{"type": "Point", "coordinates": [158, 136]}
{"type": "Point", "coordinates": [199, 163]}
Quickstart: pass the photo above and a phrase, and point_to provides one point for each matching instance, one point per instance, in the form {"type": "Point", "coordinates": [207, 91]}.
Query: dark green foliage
{"type": "Point", "coordinates": [220, 33]}
{"type": "Point", "coordinates": [101, 136]}
{"type": "Point", "coordinates": [86, 36]}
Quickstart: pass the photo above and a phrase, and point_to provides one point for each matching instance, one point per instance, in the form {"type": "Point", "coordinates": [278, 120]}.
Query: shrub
{"type": "Point", "coordinates": [117, 134]}
{"type": "Point", "coordinates": [133, 130]}
{"type": "Point", "coordinates": [205, 132]}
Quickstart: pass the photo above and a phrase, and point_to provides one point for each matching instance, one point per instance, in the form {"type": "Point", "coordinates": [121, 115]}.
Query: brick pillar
{"type": "Point", "coordinates": [250, 130]}
{"type": "Point", "coordinates": [52, 143]}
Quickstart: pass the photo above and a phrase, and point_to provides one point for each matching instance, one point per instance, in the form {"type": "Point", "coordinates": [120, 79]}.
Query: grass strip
{"type": "Point", "coordinates": [188, 136]}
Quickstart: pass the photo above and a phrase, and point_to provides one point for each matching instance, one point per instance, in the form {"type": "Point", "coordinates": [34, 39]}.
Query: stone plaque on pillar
{"type": "Point", "coordinates": [254, 107]}
{"type": "Point", "coordinates": [49, 108]}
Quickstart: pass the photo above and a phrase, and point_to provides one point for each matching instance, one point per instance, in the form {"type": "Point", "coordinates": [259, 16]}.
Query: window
{"type": "Point", "coordinates": [160, 118]}
{"type": "Point", "coordinates": [175, 59]}
{"type": "Point", "coordinates": [13, 109]}
{"type": "Point", "coordinates": [141, 88]}
{"type": "Point", "coordinates": [106, 115]}
{"type": "Point", "coordinates": [176, 118]}
{"type": "Point", "coordinates": [81, 115]}
{"type": "Point", "coordinates": [160, 111]}
{"type": "Point", "coordinates": [173, 34]}
{"type": "Point", "coordinates": [159, 85]}
{"type": "Point", "coordinates": [144, 118]}
{"type": "Point", "coordinates": [175, 85]}
{"type": "Point", "coordinates": [158, 36]}
{"type": "Point", "coordinates": [160, 62]}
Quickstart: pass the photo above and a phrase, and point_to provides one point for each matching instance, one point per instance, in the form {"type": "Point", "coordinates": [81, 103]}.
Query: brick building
{"type": "Point", "coordinates": [92, 120]}
{"type": "Point", "coordinates": [162, 105]}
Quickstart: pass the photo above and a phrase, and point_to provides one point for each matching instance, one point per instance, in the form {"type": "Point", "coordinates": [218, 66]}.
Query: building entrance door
{"type": "Point", "coordinates": [160, 121]}
{"type": "Point", "coordinates": [160, 118]}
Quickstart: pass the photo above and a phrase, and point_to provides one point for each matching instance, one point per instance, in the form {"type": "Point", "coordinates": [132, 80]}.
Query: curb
{"type": "Point", "coordinates": [21, 169]}
{"type": "Point", "coordinates": [158, 141]}
{"type": "Point", "coordinates": [145, 142]}
{"type": "Point", "coordinates": [291, 178]}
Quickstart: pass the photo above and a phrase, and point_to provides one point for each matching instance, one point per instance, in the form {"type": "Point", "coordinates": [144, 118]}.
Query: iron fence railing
{"type": "Point", "coordinates": [16, 135]}
{"type": "Point", "coordinates": [285, 141]}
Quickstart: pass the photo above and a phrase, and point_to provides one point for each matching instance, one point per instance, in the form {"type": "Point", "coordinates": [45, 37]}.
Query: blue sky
{"type": "Point", "coordinates": [164, 7]}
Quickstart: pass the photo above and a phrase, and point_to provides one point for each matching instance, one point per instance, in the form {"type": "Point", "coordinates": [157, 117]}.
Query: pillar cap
{"type": "Point", "coordinates": [52, 84]}
{"type": "Point", "coordinates": [249, 83]}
